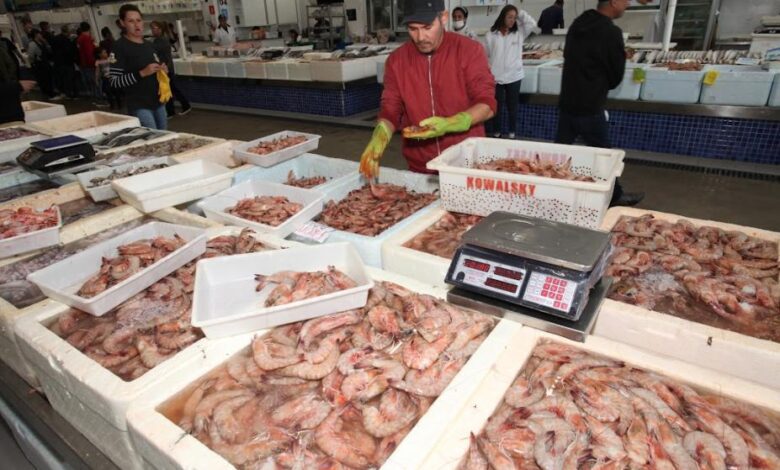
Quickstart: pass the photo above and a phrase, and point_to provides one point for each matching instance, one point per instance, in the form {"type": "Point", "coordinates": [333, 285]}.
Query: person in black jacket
{"type": "Point", "coordinates": [594, 63]}
{"type": "Point", "coordinates": [11, 89]}
{"type": "Point", "coordinates": [551, 18]}
{"type": "Point", "coordinates": [65, 59]}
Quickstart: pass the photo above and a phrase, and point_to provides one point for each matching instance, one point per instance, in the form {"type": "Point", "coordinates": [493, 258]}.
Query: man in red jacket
{"type": "Point", "coordinates": [86, 47]}
{"type": "Point", "coordinates": [438, 88]}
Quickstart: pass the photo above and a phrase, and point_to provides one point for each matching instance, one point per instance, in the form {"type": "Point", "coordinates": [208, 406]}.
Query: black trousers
{"type": "Point", "coordinates": [44, 75]}
{"type": "Point", "coordinates": [65, 79]}
{"type": "Point", "coordinates": [507, 96]}
{"type": "Point", "coordinates": [178, 95]}
{"type": "Point", "coordinates": [593, 130]}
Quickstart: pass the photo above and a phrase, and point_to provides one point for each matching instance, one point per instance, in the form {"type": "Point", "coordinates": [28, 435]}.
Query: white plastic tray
{"type": "Point", "coordinates": [163, 444]}
{"type": "Point", "coordinates": [733, 353]}
{"type": "Point", "coordinates": [40, 111]}
{"type": "Point", "coordinates": [86, 125]}
{"type": "Point", "coordinates": [738, 85]}
{"type": "Point", "coordinates": [105, 191]}
{"type": "Point", "coordinates": [10, 149]}
{"type": "Point", "coordinates": [31, 241]}
{"type": "Point", "coordinates": [447, 451]}
{"type": "Point", "coordinates": [215, 206]}
{"type": "Point", "coordinates": [226, 304]}
{"type": "Point", "coordinates": [171, 186]}
{"type": "Point", "coordinates": [672, 86]}
{"type": "Point", "coordinates": [271, 159]}
{"type": "Point", "coordinates": [480, 192]}
{"type": "Point", "coordinates": [61, 281]}
{"type": "Point", "coordinates": [370, 248]}
{"type": "Point", "coordinates": [305, 166]}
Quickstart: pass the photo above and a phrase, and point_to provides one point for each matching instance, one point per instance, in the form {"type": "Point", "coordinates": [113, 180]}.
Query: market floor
{"type": "Point", "coordinates": [690, 193]}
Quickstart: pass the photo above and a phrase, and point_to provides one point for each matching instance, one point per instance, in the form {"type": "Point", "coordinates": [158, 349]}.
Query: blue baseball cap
{"type": "Point", "coordinates": [422, 11]}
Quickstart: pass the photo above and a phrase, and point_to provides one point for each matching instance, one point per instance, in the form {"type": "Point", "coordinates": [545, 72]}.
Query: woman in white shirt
{"type": "Point", "coordinates": [460, 16]}
{"type": "Point", "coordinates": [224, 34]}
{"type": "Point", "coordinates": [505, 54]}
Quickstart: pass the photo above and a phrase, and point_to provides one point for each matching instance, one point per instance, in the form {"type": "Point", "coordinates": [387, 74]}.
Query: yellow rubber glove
{"type": "Point", "coordinates": [438, 126]}
{"type": "Point", "coordinates": [164, 85]}
{"type": "Point", "coordinates": [369, 161]}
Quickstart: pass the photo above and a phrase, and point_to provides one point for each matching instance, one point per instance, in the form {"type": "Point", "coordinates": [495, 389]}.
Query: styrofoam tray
{"type": "Point", "coordinates": [91, 398]}
{"type": "Point", "coordinates": [226, 303]}
{"type": "Point", "coordinates": [241, 151]}
{"type": "Point", "coordinates": [86, 125]}
{"type": "Point", "coordinates": [61, 281]}
{"type": "Point", "coordinates": [40, 111]}
{"type": "Point", "coordinates": [672, 86]}
{"type": "Point", "coordinates": [10, 149]}
{"type": "Point", "coordinates": [105, 191]}
{"type": "Point", "coordinates": [215, 207]}
{"type": "Point", "coordinates": [31, 241]}
{"type": "Point", "coordinates": [163, 444]}
{"type": "Point", "coordinates": [530, 83]}
{"type": "Point", "coordinates": [550, 78]}
{"type": "Point", "coordinates": [171, 186]}
{"type": "Point", "coordinates": [480, 192]}
{"type": "Point", "coordinates": [449, 449]}
{"type": "Point", "coordinates": [628, 88]}
{"type": "Point", "coordinates": [305, 166]}
{"type": "Point", "coordinates": [738, 85]}
{"type": "Point", "coordinates": [370, 248]}
{"type": "Point", "coordinates": [733, 353]}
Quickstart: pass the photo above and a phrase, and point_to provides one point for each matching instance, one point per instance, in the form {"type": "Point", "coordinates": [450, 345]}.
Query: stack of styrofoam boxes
{"type": "Point", "coordinates": [91, 398]}
{"type": "Point", "coordinates": [161, 443]}
{"type": "Point", "coordinates": [629, 89]}
{"type": "Point", "coordinates": [451, 448]}
{"type": "Point", "coordinates": [370, 248]}
{"type": "Point", "coordinates": [774, 97]}
{"type": "Point", "coordinates": [550, 77]}
{"type": "Point", "coordinates": [671, 86]}
{"type": "Point", "coordinates": [307, 165]}
{"type": "Point", "coordinates": [86, 125]}
{"type": "Point", "coordinates": [733, 353]}
{"type": "Point", "coordinates": [40, 111]}
{"type": "Point", "coordinates": [738, 85]}
{"type": "Point", "coordinates": [530, 83]}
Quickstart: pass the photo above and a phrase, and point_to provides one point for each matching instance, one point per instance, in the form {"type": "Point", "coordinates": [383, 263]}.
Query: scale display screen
{"type": "Point", "coordinates": [495, 277]}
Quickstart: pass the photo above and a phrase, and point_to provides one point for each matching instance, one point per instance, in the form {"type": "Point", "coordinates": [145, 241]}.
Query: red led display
{"type": "Point", "coordinates": [508, 273]}
{"type": "Point", "coordinates": [496, 284]}
{"type": "Point", "coordinates": [470, 263]}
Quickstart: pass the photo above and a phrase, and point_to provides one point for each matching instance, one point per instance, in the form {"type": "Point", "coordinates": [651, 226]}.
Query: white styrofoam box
{"type": "Point", "coordinates": [764, 42]}
{"type": "Point", "coordinates": [62, 280]}
{"type": "Point", "coordinates": [16, 177]}
{"type": "Point", "coordinates": [343, 71]}
{"type": "Point", "coordinates": [628, 88]}
{"type": "Point", "coordinates": [105, 191]}
{"type": "Point", "coordinates": [738, 85]}
{"type": "Point", "coordinates": [86, 125]}
{"type": "Point", "coordinates": [774, 96]}
{"type": "Point", "coordinates": [200, 68]}
{"type": "Point", "coordinates": [255, 69]}
{"type": "Point", "coordinates": [10, 149]}
{"type": "Point", "coordinates": [424, 267]}
{"type": "Point", "coordinates": [480, 192]}
{"type": "Point", "coordinates": [277, 70]}
{"type": "Point", "coordinates": [671, 86]}
{"type": "Point", "coordinates": [40, 111]}
{"type": "Point", "coordinates": [91, 398]}
{"type": "Point", "coordinates": [164, 445]}
{"type": "Point", "coordinates": [174, 185]}
{"type": "Point", "coordinates": [380, 68]}
{"type": "Point", "coordinates": [732, 353]}
{"type": "Point", "coordinates": [31, 241]}
{"type": "Point", "coordinates": [300, 71]}
{"type": "Point", "coordinates": [226, 303]}
{"type": "Point", "coordinates": [241, 151]}
{"type": "Point", "coordinates": [550, 78]}
{"type": "Point", "coordinates": [215, 207]}
{"type": "Point", "coordinates": [307, 165]}
{"type": "Point", "coordinates": [370, 248]}
{"type": "Point", "coordinates": [116, 151]}
{"type": "Point", "coordinates": [218, 67]}
{"type": "Point", "coordinates": [450, 448]}
{"type": "Point", "coordinates": [182, 67]}
{"type": "Point", "coordinates": [235, 69]}
{"type": "Point", "coordinates": [530, 83]}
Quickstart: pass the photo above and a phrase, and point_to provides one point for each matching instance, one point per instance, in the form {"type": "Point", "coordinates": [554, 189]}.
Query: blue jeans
{"type": "Point", "coordinates": [153, 118]}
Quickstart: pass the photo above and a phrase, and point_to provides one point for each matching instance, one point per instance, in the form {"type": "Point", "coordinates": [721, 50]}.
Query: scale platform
{"type": "Point", "coordinates": [574, 330]}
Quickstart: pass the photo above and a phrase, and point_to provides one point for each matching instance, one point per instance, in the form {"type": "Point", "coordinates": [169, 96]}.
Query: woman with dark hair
{"type": "Point", "coordinates": [107, 43]}
{"type": "Point", "coordinates": [460, 16]}
{"type": "Point", "coordinates": [162, 46]}
{"type": "Point", "coordinates": [505, 54]}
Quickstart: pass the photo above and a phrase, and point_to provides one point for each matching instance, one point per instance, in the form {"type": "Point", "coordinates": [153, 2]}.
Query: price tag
{"type": "Point", "coordinates": [313, 231]}
{"type": "Point", "coordinates": [711, 77]}
{"type": "Point", "coordinates": [639, 75]}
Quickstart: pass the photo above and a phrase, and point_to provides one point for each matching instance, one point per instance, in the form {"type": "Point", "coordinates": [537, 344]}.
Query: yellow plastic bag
{"type": "Point", "coordinates": [711, 77]}
{"type": "Point", "coordinates": [164, 85]}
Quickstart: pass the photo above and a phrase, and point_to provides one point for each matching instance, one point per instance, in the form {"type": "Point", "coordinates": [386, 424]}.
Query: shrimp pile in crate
{"type": "Point", "coordinates": [536, 167]}
{"type": "Point", "coordinates": [340, 390]}
{"type": "Point", "coordinates": [443, 237]}
{"type": "Point", "coordinates": [25, 220]}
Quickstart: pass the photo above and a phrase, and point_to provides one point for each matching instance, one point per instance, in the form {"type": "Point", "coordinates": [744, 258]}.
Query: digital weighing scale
{"type": "Point", "coordinates": [545, 274]}
{"type": "Point", "coordinates": [58, 156]}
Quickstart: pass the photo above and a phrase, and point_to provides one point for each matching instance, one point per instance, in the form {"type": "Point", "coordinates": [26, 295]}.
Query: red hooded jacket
{"type": "Point", "coordinates": [449, 81]}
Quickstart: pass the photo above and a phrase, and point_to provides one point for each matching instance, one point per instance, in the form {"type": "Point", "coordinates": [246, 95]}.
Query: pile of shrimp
{"type": "Point", "coordinates": [340, 391]}
{"type": "Point", "coordinates": [684, 270]}
{"type": "Point", "coordinates": [569, 409]}
{"type": "Point", "coordinates": [293, 286]}
{"type": "Point", "coordinates": [374, 208]}
{"type": "Point", "coordinates": [26, 220]}
{"type": "Point", "coordinates": [271, 146]}
{"type": "Point", "coordinates": [443, 237]}
{"type": "Point", "coordinates": [131, 259]}
{"type": "Point", "coordinates": [536, 167]}
{"type": "Point", "coordinates": [304, 182]}
{"type": "Point", "coordinates": [150, 327]}
{"type": "Point", "coordinates": [268, 210]}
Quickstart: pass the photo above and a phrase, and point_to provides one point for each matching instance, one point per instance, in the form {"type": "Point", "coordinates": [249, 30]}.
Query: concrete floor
{"type": "Point", "coordinates": [690, 193]}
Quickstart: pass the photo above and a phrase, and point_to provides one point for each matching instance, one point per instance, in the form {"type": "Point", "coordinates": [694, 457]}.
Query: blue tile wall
{"type": "Point", "coordinates": [246, 94]}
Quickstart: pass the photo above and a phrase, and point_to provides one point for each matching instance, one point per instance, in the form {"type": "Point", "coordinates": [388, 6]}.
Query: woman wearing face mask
{"type": "Point", "coordinates": [459, 17]}
{"type": "Point", "coordinates": [505, 54]}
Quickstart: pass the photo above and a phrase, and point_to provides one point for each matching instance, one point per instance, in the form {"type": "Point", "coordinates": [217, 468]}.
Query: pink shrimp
{"type": "Point", "coordinates": [304, 412]}
{"type": "Point", "coordinates": [420, 354]}
{"type": "Point", "coordinates": [706, 449]}
{"type": "Point", "coordinates": [342, 437]}
{"type": "Point", "coordinates": [396, 411]}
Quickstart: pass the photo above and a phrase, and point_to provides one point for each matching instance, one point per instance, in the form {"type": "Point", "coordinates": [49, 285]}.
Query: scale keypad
{"type": "Point", "coordinates": [550, 291]}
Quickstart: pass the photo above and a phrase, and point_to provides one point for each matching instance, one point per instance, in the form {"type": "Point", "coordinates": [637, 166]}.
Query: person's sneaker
{"type": "Point", "coordinates": [101, 105]}
{"type": "Point", "coordinates": [497, 135]}
{"type": "Point", "coordinates": [511, 136]}
{"type": "Point", "coordinates": [185, 110]}
{"type": "Point", "coordinates": [629, 199]}
{"type": "Point", "coordinates": [57, 98]}
{"type": "Point", "coordinates": [171, 116]}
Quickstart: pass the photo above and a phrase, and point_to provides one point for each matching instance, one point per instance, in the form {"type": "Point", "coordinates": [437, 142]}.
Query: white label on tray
{"type": "Point", "coordinates": [314, 231]}
{"type": "Point", "coordinates": [550, 291]}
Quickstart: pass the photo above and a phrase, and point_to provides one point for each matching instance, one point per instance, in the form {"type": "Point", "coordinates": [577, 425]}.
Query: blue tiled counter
{"type": "Point", "coordinates": [322, 98]}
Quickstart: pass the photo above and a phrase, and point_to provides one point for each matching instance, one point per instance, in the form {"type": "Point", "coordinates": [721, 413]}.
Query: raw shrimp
{"type": "Point", "coordinates": [475, 460]}
{"type": "Point", "coordinates": [396, 411]}
{"type": "Point", "coordinates": [384, 319]}
{"type": "Point", "coordinates": [309, 371]}
{"type": "Point", "coordinates": [432, 381]}
{"type": "Point", "coordinates": [420, 354]}
{"type": "Point", "coordinates": [313, 328]}
{"type": "Point", "coordinates": [304, 412]}
{"type": "Point", "coordinates": [270, 355]}
{"type": "Point", "coordinates": [706, 449]}
{"type": "Point", "coordinates": [523, 393]}
{"type": "Point", "coordinates": [341, 436]}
